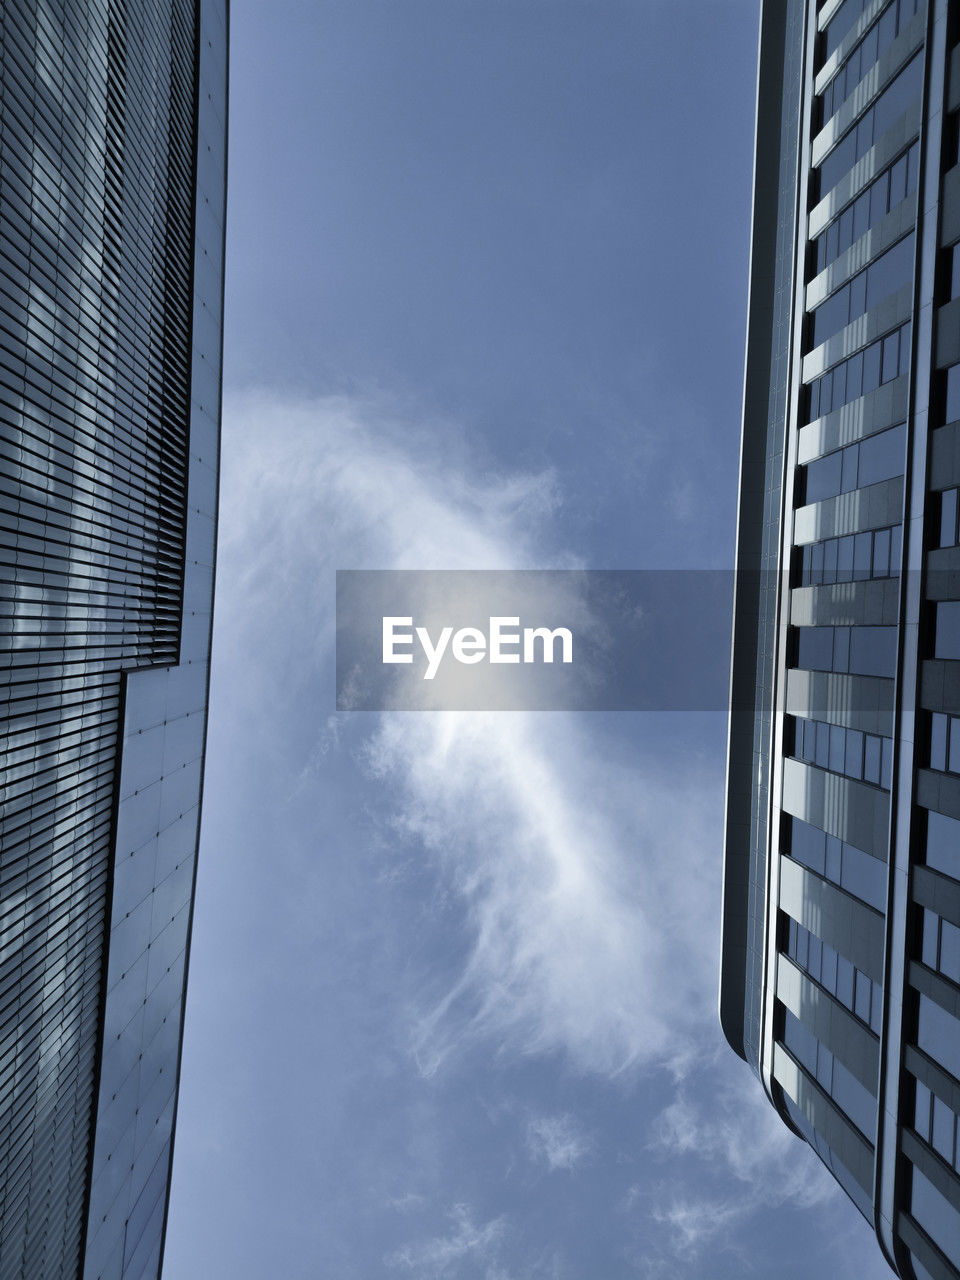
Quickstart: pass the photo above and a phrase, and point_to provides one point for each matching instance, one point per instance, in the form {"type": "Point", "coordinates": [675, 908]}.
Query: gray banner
{"type": "Point", "coordinates": [533, 640]}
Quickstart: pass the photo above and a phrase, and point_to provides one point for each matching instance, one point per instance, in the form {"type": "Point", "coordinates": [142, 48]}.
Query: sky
{"type": "Point", "coordinates": [452, 995]}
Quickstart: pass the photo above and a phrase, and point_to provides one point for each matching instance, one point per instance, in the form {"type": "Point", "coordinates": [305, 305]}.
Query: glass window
{"type": "Point", "coordinates": [887, 108]}
{"type": "Point", "coordinates": [938, 1034]}
{"type": "Point", "coordinates": [943, 844]}
{"type": "Point", "coordinates": [952, 412]}
{"type": "Point", "coordinates": [934, 1213]}
{"type": "Point", "coordinates": [948, 518]}
{"type": "Point", "coordinates": [947, 640]}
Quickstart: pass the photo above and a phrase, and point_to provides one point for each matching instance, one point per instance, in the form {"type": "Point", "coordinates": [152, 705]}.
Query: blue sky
{"type": "Point", "coordinates": [452, 992]}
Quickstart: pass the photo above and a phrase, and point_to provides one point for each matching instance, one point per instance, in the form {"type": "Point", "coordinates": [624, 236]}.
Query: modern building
{"type": "Point", "coordinates": [112, 188]}
{"type": "Point", "coordinates": [841, 921]}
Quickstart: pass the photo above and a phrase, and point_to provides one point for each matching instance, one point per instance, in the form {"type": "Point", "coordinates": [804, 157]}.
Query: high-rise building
{"type": "Point", "coordinates": [841, 922]}
{"type": "Point", "coordinates": [112, 189]}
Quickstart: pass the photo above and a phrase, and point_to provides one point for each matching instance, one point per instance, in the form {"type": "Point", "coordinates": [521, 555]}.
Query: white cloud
{"type": "Point", "coordinates": [557, 1141]}
{"type": "Point", "coordinates": [591, 929]}
{"type": "Point", "coordinates": [720, 1156]}
{"type": "Point", "coordinates": [467, 1242]}
{"type": "Point", "coordinates": [586, 874]}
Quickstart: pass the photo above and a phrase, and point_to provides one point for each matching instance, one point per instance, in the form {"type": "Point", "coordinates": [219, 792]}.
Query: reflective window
{"type": "Point", "coordinates": [863, 651]}
{"type": "Point", "coordinates": [944, 743]}
{"type": "Point", "coordinates": [947, 634]}
{"type": "Point", "coordinates": [866, 757]}
{"type": "Point", "coordinates": [859, 994]}
{"type": "Point", "coordinates": [940, 945]}
{"type": "Point", "coordinates": [842, 22]}
{"type": "Point", "coordinates": [865, 290]}
{"type": "Point", "coordinates": [856, 556]}
{"type": "Point", "coordinates": [934, 1213]}
{"type": "Point", "coordinates": [842, 864]}
{"type": "Point", "coordinates": [903, 91]}
{"type": "Point", "coordinates": [952, 406]}
{"type": "Point", "coordinates": [875, 202]}
{"type": "Point", "coordinates": [856, 1102]}
{"type": "Point", "coordinates": [879, 457]}
{"type": "Point", "coordinates": [829, 1158]}
{"type": "Point", "coordinates": [880, 362]}
{"type": "Point", "coordinates": [942, 846]}
{"type": "Point", "coordinates": [938, 1035]}
{"type": "Point", "coordinates": [937, 1124]}
{"type": "Point", "coordinates": [949, 529]}
{"type": "Point", "coordinates": [865, 53]}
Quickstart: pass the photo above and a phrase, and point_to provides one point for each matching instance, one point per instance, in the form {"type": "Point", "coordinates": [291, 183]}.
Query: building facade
{"type": "Point", "coordinates": [840, 977]}
{"type": "Point", "coordinates": [112, 206]}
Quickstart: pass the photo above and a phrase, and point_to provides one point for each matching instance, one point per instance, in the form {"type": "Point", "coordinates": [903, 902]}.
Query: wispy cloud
{"type": "Point", "coordinates": [585, 871]}
{"type": "Point", "coordinates": [466, 1242]}
{"type": "Point", "coordinates": [584, 936]}
{"type": "Point", "coordinates": [559, 1142]}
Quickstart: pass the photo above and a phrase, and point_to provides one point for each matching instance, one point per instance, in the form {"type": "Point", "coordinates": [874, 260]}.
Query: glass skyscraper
{"type": "Point", "coordinates": [112, 190]}
{"type": "Point", "coordinates": [841, 922]}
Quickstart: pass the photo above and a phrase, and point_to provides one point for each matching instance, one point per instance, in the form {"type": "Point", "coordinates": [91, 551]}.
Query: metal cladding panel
{"type": "Point", "coordinates": [758, 535]}
{"type": "Point", "coordinates": [96, 196]}
{"type": "Point", "coordinates": [846, 885]}
{"type": "Point", "coordinates": [160, 784]}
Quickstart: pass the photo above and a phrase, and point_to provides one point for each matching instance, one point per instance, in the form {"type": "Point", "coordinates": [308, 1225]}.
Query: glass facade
{"type": "Point", "coordinates": [112, 185]}
{"type": "Point", "coordinates": [850, 875]}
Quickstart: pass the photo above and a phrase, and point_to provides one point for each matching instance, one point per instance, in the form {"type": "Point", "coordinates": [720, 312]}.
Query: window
{"type": "Point", "coordinates": [856, 992]}
{"type": "Point", "coordinates": [859, 374]}
{"type": "Point", "coordinates": [938, 1035]}
{"type": "Point", "coordinates": [852, 558]}
{"type": "Point", "coordinates": [937, 1124]}
{"type": "Point", "coordinates": [944, 754]}
{"type": "Point", "coordinates": [842, 21]}
{"type": "Point", "coordinates": [949, 512]}
{"type": "Point", "coordinates": [943, 844]}
{"type": "Point", "coordinates": [882, 195]}
{"type": "Point", "coordinates": [863, 651]}
{"type": "Point", "coordinates": [864, 54]}
{"type": "Point", "coordinates": [934, 1213]}
{"type": "Point", "coordinates": [867, 757]}
{"type": "Point", "coordinates": [947, 633]}
{"type": "Point", "coordinates": [873, 124]}
{"type": "Point", "coordinates": [940, 945]}
{"type": "Point", "coordinates": [952, 406]}
{"type": "Point", "coordinates": [821, 1065]}
{"type": "Point", "coordinates": [842, 864]}
{"type": "Point", "coordinates": [879, 457]}
{"type": "Point", "coordinates": [879, 280]}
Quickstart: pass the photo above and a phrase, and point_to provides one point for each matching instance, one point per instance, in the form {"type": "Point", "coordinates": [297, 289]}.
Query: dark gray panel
{"type": "Point", "coordinates": [948, 334]}
{"type": "Point", "coordinates": [940, 686]}
{"type": "Point", "coordinates": [883, 407]}
{"type": "Point", "coordinates": [826, 1117]}
{"type": "Point", "coordinates": [938, 892]}
{"type": "Point", "coordinates": [945, 457]}
{"type": "Point", "coordinates": [833, 1025]}
{"type": "Point", "coordinates": [931, 1166]}
{"type": "Point", "coordinates": [856, 702]}
{"type": "Point", "coordinates": [950, 207]}
{"type": "Point", "coordinates": [846, 923]}
{"type": "Point", "coordinates": [923, 1248]}
{"type": "Point", "coordinates": [853, 811]}
{"type": "Point", "coordinates": [943, 574]}
{"type": "Point", "coordinates": [931, 984]}
{"type": "Point", "coordinates": [870, 603]}
{"type": "Point", "coordinates": [758, 532]}
{"type": "Point", "coordinates": [938, 791]}
{"type": "Point", "coordinates": [933, 1076]}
